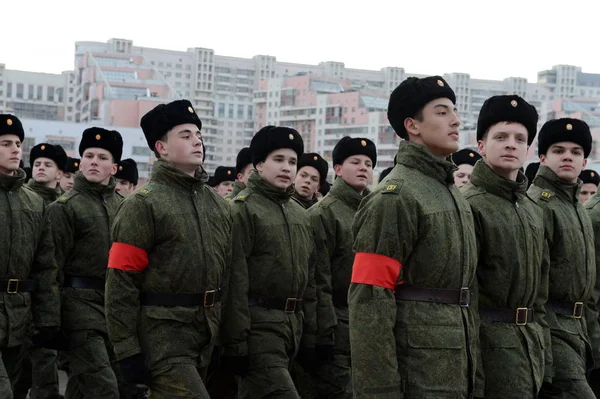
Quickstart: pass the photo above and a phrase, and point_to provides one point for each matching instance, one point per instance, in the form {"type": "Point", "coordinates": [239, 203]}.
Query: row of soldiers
{"type": "Point", "coordinates": [416, 289]}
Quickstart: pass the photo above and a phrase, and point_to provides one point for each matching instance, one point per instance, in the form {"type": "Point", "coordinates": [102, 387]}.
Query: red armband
{"type": "Point", "coordinates": [374, 269]}
{"type": "Point", "coordinates": [127, 257]}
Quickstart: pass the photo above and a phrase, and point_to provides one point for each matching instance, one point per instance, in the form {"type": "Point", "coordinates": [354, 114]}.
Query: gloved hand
{"type": "Point", "coordinates": [324, 353]}
{"type": "Point", "coordinates": [237, 365]}
{"type": "Point", "coordinates": [50, 338]}
{"type": "Point", "coordinates": [134, 370]}
{"type": "Point", "coordinates": [307, 358]}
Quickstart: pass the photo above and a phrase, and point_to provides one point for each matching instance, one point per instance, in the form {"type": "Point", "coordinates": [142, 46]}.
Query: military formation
{"type": "Point", "coordinates": [458, 275]}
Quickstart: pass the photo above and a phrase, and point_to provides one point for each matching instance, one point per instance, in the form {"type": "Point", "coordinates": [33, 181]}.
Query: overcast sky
{"type": "Point", "coordinates": [486, 38]}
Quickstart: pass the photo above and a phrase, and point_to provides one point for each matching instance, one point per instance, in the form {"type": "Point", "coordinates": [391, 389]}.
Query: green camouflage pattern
{"type": "Point", "coordinates": [594, 213]}
{"type": "Point", "coordinates": [305, 203]}
{"type": "Point", "coordinates": [185, 228]}
{"type": "Point", "coordinates": [332, 223]}
{"type": "Point", "coordinates": [272, 253]}
{"type": "Point", "coordinates": [510, 272]}
{"type": "Point", "coordinates": [49, 195]}
{"type": "Point", "coordinates": [415, 349]}
{"type": "Point", "coordinates": [570, 238]}
{"type": "Point", "coordinates": [238, 186]}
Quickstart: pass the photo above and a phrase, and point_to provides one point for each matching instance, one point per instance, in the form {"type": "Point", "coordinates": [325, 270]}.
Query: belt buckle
{"type": "Point", "coordinates": [578, 310]}
{"type": "Point", "coordinates": [289, 301]}
{"type": "Point", "coordinates": [521, 321]}
{"type": "Point", "coordinates": [464, 299]}
{"type": "Point", "coordinates": [12, 287]}
{"type": "Point", "coordinates": [209, 295]}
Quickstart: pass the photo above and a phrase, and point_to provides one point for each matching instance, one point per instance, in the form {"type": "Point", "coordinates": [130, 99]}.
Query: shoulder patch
{"type": "Point", "coordinates": [144, 191]}
{"type": "Point", "coordinates": [67, 196]}
{"type": "Point", "coordinates": [242, 195]}
{"type": "Point", "coordinates": [546, 195]}
{"type": "Point", "coordinates": [392, 187]}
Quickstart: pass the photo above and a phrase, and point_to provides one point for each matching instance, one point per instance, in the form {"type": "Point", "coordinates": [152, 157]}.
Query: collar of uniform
{"type": "Point", "coordinates": [9, 183]}
{"type": "Point", "coordinates": [256, 182]}
{"type": "Point", "coordinates": [238, 186]}
{"type": "Point", "coordinates": [166, 173]}
{"type": "Point", "coordinates": [483, 176]}
{"type": "Point", "coordinates": [546, 178]}
{"type": "Point", "coordinates": [340, 189]}
{"type": "Point", "coordinates": [44, 191]}
{"type": "Point", "coordinates": [416, 156]}
{"type": "Point", "coordinates": [81, 184]}
{"type": "Point", "coordinates": [306, 203]}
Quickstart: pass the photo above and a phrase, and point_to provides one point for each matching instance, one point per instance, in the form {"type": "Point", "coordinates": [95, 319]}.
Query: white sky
{"type": "Point", "coordinates": [490, 39]}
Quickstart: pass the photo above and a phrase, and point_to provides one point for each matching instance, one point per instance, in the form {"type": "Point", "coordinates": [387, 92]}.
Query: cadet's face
{"type": "Point", "coordinates": [279, 169]}
{"type": "Point", "coordinates": [566, 159]}
{"type": "Point", "coordinates": [438, 131]}
{"type": "Point", "coordinates": [307, 182]}
{"type": "Point", "coordinates": [246, 172]}
{"type": "Point", "coordinates": [463, 174]}
{"type": "Point", "coordinates": [588, 190]}
{"type": "Point", "coordinates": [97, 165]}
{"type": "Point", "coordinates": [356, 171]}
{"type": "Point", "coordinates": [45, 171]}
{"type": "Point", "coordinates": [504, 148]}
{"type": "Point", "coordinates": [224, 188]}
{"type": "Point", "coordinates": [124, 187]}
{"type": "Point", "coordinates": [183, 148]}
{"type": "Point", "coordinates": [10, 153]}
{"type": "Point", "coordinates": [67, 181]}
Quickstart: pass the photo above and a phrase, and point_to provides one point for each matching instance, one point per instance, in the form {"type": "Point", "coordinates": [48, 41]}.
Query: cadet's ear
{"type": "Point", "coordinates": [160, 148]}
{"type": "Point", "coordinates": [337, 168]}
{"type": "Point", "coordinates": [412, 126]}
{"type": "Point", "coordinates": [113, 171]}
{"type": "Point", "coordinates": [543, 159]}
{"type": "Point", "coordinates": [481, 148]}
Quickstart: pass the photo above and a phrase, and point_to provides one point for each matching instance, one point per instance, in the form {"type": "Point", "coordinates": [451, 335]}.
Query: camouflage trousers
{"type": "Point", "coordinates": [8, 360]}
{"type": "Point", "coordinates": [179, 381]}
{"type": "Point", "coordinates": [567, 389]}
{"type": "Point", "coordinates": [36, 370]}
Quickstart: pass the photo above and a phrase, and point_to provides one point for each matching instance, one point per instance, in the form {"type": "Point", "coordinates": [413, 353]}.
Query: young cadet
{"type": "Point", "coordinates": [465, 161]}
{"type": "Point", "coordinates": [563, 146]}
{"type": "Point", "coordinates": [127, 177]}
{"type": "Point", "coordinates": [68, 178]}
{"type": "Point", "coordinates": [589, 184]}
{"type": "Point", "coordinates": [530, 172]}
{"type": "Point", "coordinates": [513, 287]}
{"type": "Point", "coordinates": [413, 326]}
{"type": "Point", "coordinates": [353, 163]}
{"type": "Point", "coordinates": [223, 180]}
{"type": "Point", "coordinates": [243, 167]}
{"type": "Point", "coordinates": [272, 284]}
{"type": "Point", "coordinates": [168, 262]}
{"type": "Point", "coordinates": [81, 220]}
{"type": "Point", "coordinates": [312, 171]}
{"type": "Point", "coordinates": [47, 164]}
{"type": "Point", "coordinates": [28, 285]}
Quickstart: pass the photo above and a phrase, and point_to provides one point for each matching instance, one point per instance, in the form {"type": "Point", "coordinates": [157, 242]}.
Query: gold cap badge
{"type": "Point", "coordinates": [472, 155]}
{"type": "Point", "coordinates": [191, 110]}
{"type": "Point", "coordinates": [98, 137]}
{"type": "Point", "coordinates": [291, 136]}
{"type": "Point", "coordinates": [513, 103]}
{"type": "Point", "coordinates": [569, 126]}
{"type": "Point", "coordinates": [76, 164]}
{"type": "Point", "coordinates": [228, 172]}
{"type": "Point", "coordinates": [315, 158]}
{"type": "Point", "coordinates": [592, 174]}
{"type": "Point", "coordinates": [120, 167]}
{"type": "Point", "coordinates": [440, 83]}
{"type": "Point", "coordinates": [9, 122]}
{"type": "Point", "coordinates": [363, 143]}
{"type": "Point", "coordinates": [43, 147]}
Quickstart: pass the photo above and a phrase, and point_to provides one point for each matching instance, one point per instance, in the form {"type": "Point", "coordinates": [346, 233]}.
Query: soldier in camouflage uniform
{"type": "Point", "coordinates": [563, 147]}
{"type": "Point", "coordinates": [68, 178]}
{"type": "Point", "coordinates": [37, 368]}
{"type": "Point", "coordinates": [513, 288]}
{"type": "Point", "coordinates": [312, 172]}
{"type": "Point", "coordinates": [223, 180]}
{"type": "Point", "coordinates": [28, 287]}
{"type": "Point", "coordinates": [127, 177]}
{"type": "Point", "coordinates": [589, 184]}
{"type": "Point", "coordinates": [273, 300]}
{"type": "Point", "coordinates": [244, 168]}
{"type": "Point", "coordinates": [81, 220]}
{"type": "Point", "coordinates": [465, 161]}
{"type": "Point", "coordinates": [353, 162]}
{"type": "Point", "coordinates": [413, 322]}
{"type": "Point", "coordinates": [169, 262]}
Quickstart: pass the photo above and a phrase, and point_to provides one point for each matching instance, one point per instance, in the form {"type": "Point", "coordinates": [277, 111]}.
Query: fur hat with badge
{"type": "Point", "coordinates": [10, 124]}
{"type": "Point", "coordinates": [127, 170]}
{"type": "Point", "coordinates": [511, 108]}
{"type": "Point", "coordinates": [272, 138]}
{"type": "Point", "coordinates": [465, 156]}
{"type": "Point", "coordinates": [589, 176]}
{"type": "Point", "coordinates": [349, 146]}
{"type": "Point", "coordinates": [97, 137]}
{"type": "Point", "coordinates": [316, 161]}
{"type": "Point", "coordinates": [222, 174]}
{"type": "Point", "coordinates": [53, 152]}
{"type": "Point", "coordinates": [565, 130]}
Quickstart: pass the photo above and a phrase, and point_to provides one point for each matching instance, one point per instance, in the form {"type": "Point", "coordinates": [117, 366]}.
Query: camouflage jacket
{"type": "Point", "coordinates": [81, 220]}
{"type": "Point", "coordinates": [49, 195]}
{"type": "Point", "coordinates": [272, 248]}
{"type": "Point", "coordinates": [510, 272]}
{"type": "Point", "coordinates": [238, 186]}
{"type": "Point", "coordinates": [305, 203]}
{"type": "Point", "coordinates": [332, 220]}
{"type": "Point", "coordinates": [419, 219]}
{"type": "Point", "coordinates": [570, 239]}
{"type": "Point", "coordinates": [183, 228]}
{"type": "Point", "coordinates": [27, 253]}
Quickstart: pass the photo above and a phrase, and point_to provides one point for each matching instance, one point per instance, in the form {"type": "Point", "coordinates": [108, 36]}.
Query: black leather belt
{"type": "Point", "coordinates": [86, 283]}
{"type": "Point", "coordinates": [574, 309]}
{"type": "Point", "coordinates": [206, 299]}
{"type": "Point", "coordinates": [460, 297]}
{"type": "Point", "coordinates": [14, 286]}
{"type": "Point", "coordinates": [288, 305]}
{"type": "Point", "coordinates": [519, 316]}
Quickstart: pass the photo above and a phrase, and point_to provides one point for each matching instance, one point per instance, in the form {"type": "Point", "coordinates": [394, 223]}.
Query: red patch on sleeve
{"type": "Point", "coordinates": [374, 269]}
{"type": "Point", "coordinates": [127, 257]}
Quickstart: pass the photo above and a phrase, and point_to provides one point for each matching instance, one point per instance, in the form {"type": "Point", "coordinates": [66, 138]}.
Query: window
{"type": "Point", "coordinates": [19, 90]}
{"type": "Point", "coordinates": [178, 75]}
{"type": "Point", "coordinates": [169, 65]}
{"type": "Point", "coordinates": [178, 66]}
{"type": "Point", "coordinates": [118, 76]}
{"type": "Point", "coordinates": [9, 90]}
{"type": "Point", "coordinates": [249, 115]}
{"type": "Point", "coordinates": [30, 92]}
{"type": "Point", "coordinates": [230, 113]}
{"type": "Point", "coordinates": [60, 93]}
{"type": "Point", "coordinates": [40, 93]}
{"type": "Point", "coordinates": [240, 111]}
{"type": "Point", "coordinates": [50, 95]}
